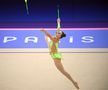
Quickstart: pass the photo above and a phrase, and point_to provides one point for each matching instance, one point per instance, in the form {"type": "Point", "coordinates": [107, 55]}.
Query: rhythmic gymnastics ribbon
{"type": "Point", "coordinates": [26, 5]}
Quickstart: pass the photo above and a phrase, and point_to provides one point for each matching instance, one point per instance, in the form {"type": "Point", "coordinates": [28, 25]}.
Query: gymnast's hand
{"type": "Point", "coordinates": [42, 29]}
{"type": "Point", "coordinates": [58, 20]}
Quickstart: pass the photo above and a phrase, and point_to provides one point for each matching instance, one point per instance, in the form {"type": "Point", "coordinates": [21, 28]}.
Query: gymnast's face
{"type": "Point", "coordinates": [58, 34]}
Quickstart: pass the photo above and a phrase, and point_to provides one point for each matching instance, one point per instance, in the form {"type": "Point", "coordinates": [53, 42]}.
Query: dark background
{"type": "Point", "coordinates": [46, 10]}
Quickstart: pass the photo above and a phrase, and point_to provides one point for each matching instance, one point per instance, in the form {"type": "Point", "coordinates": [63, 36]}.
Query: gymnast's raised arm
{"type": "Point", "coordinates": [48, 34]}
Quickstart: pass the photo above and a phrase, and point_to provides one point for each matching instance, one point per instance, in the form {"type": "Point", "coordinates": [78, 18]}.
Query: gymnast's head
{"type": "Point", "coordinates": [60, 34]}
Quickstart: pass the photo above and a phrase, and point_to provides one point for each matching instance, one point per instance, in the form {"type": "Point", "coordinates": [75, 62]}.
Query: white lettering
{"type": "Point", "coordinates": [9, 38]}
{"type": "Point", "coordinates": [71, 39]}
{"type": "Point", "coordinates": [31, 38]}
{"type": "Point", "coordinates": [87, 39]}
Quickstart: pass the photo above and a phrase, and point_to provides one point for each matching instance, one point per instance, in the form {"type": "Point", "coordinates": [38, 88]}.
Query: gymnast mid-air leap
{"type": "Point", "coordinates": [53, 49]}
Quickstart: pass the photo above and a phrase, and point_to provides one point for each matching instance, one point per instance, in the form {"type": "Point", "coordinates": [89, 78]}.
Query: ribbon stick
{"type": "Point", "coordinates": [58, 19]}
{"type": "Point", "coordinates": [26, 4]}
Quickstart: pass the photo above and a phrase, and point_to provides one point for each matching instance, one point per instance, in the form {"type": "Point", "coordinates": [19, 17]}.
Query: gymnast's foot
{"type": "Point", "coordinates": [76, 84]}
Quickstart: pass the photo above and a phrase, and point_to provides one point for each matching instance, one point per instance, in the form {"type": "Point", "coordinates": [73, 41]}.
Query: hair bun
{"type": "Point", "coordinates": [64, 35]}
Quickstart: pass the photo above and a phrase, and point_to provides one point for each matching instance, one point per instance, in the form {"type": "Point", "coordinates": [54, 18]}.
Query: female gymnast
{"type": "Point", "coordinates": [56, 56]}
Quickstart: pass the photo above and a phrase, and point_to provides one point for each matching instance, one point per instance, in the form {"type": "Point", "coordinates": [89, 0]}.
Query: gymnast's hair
{"type": "Point", "coordinates": [63, 35]}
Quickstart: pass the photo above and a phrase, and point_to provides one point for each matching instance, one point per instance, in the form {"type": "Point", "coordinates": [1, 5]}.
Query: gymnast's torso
{"type": "Point", "coordinates": [53, 47]}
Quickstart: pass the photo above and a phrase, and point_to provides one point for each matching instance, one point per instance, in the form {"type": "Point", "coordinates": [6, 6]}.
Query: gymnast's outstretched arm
{"type": "Point", "coordinates": [58, 24]}
{"type": "Point", "coordinates": [48, 34]}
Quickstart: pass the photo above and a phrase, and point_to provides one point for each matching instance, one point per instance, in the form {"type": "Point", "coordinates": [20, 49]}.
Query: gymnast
{"type": "Point", "coordinates": [53, 48]}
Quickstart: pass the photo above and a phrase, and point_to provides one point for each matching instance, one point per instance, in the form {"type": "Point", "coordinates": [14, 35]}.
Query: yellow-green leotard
{"type": "Point", "coordinates": [56, 55]}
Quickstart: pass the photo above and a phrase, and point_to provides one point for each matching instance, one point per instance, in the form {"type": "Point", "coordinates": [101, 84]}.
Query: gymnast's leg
{"type": "Point", "coordinates": [60, 67]}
